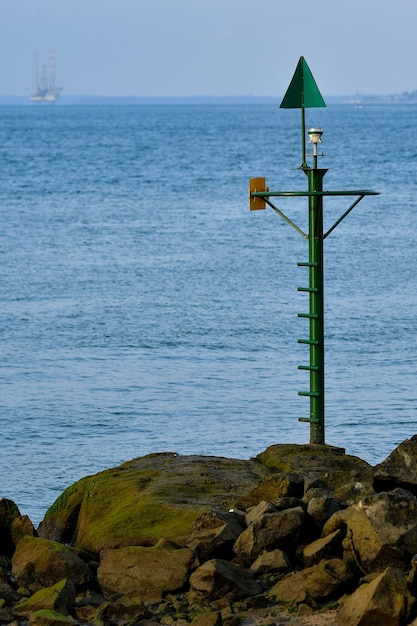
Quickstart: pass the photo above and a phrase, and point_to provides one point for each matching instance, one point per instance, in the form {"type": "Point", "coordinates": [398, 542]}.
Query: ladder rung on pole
{"type": "Point", "coordinates": [310, 368]}
{"type": "Point", "coordinates": [308, 289]}
{"type": "Point", "coordinates": [308, 419]}
{"type": "Point", "coordinates": [307, 264]}
{"type": "Point", "coordinates": [310, 394]}
{"type": "Point", "coordinates": [311, 316]}
{"type": "Point", "coordinates": [310, 342]}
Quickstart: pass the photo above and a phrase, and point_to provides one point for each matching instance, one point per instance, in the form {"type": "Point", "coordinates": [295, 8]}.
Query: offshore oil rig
{"type": "Point", "coordinates": [45, 83]}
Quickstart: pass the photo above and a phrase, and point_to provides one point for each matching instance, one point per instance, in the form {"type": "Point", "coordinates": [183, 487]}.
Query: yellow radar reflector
{"type": "Point", "coordinates": [257, 184]}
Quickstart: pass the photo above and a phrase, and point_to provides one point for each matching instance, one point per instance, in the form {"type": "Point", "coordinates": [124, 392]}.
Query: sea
{"type": "Point", "coordinates": [145, 309]}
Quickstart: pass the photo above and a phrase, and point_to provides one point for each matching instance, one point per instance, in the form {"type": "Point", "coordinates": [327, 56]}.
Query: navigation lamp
{"type": "Point", "coordinates": [315, 135]}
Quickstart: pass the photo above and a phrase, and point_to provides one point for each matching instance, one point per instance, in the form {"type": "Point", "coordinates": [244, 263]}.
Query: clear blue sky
{"type": "Point", "coordinates": [210, 47]}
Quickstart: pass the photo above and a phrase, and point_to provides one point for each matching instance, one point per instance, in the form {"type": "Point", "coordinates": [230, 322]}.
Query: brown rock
{"type": "Point", "coordinates": [382, 530]}
{"type": "Point", "coordinates": [385, 601]}
{"type": "Point", "coordinates": [210, 618]}
{"type": "Point", "coordinates": [320, 505]}
{"type": "Point", "coordinates": [20, 527]}
{"type": "Point", "coordinates": [214, 535]}
{"type": "Point", "coordinates": [273, 530]}
{"type": "Point", "coordinates": [311, 585]}
{"type": "Point", "coordinates": [350, 493]}
{"type": "Point", "coordinates": [323, 548]}
{"type": "Point", "coordinates": [275, 561]}
{"type": "Point", "coordinates": [39, 562]}
{"type": "Point", "coordinates": [126, 610]}
{"type": "Point", "coordinates": [218, 578]}
{"type": "Point", "coordinates": [256, 512]}
{"type": "Point", "coordinates": [399, 469]}
{"type": "Point", "coordinates": [270, 488]}
{"type": "Point", "coordinates": [147, 573]}
{"type": "Point", "coordinates": [327, 464]}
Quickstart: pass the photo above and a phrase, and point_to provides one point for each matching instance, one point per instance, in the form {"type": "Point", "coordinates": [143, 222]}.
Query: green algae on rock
{"type": "Point", "coordinates": [144, 500]}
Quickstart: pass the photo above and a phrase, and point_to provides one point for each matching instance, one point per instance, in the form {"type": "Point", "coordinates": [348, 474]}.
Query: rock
{"type": "Point", "coordinates": [312, 585]}
{"type": "Point", "coordinates": [399, 469]}
{"type": "Point", "coordinates": [214, 535]}
{"type": "Point", "coordinates": [86, 605]}
{"type": "Point", "coordinates": [210, 618]}
{"type": "Point", "coordinates": [147, 573]}
{"type": "Point", "coordinates": [327, 464]}
{"type": "Point", "coordinates": [21, 527]}
{"type": "Point", "coordinates": [275, 561]}
{"type": "Point", "coordinates": [126, 610]}
{"type": "Point", "coordinates": [323, 548]}
{"type": "Point", "coordinates": [59, 597]}
{"type": "Point", "coordinates": [258, 511]}
{"type": "Point", "coordinates": [350, 493]}
{"type": "Point", "coordinates": [272, 530]}
{"type": "Point", "coordinates": [382, 530]}
{"type": "Point", "coordinates": [8, 512]}
{"type": "Point", "coordinates": [218, 578]}
{"type": "Point", "coordinates": [385, 601]}
{"type": "Point", "coordinates": [277, 485]}
{"type": "Point", "coordinates": [320, 505]}
{"type": "Point", "coordinates": [39, 562]}
{"type": "Point", "coordinates": [159, 495]}
{"type": "Point", "coordinates": [46, 617]}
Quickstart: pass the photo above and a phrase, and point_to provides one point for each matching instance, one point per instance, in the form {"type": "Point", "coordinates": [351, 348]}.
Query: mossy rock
{"type": "Point", "coordinates": [328, 465]}
{"type": "Point", "coordinates": [144, 500]}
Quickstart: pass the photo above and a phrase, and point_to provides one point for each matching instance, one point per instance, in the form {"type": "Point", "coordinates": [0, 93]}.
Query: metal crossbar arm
{"type": "Point", "coordinates": [357, 192]}
{"type": "Point", "coordinates": [343, 216]}
{"type": "Point", "coordinates": [285, 218]}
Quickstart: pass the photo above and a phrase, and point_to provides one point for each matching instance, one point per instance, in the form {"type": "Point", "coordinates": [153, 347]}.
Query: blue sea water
{"type": "Point", "coordinates": [144, 308]}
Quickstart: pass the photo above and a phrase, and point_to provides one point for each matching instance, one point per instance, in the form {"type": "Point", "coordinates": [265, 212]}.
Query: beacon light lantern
{"type": "Point", "coordinates": [315, 135]}
{"type": "Point", "coordinates": [303, 93]}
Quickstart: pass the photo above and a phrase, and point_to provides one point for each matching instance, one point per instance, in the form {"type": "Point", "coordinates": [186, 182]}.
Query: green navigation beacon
{"type": "Point", "coordinates": [303, 93]}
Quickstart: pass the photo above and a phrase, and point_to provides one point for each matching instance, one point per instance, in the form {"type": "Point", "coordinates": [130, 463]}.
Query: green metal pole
{"type": "Point", "coordinates": [316, 291]}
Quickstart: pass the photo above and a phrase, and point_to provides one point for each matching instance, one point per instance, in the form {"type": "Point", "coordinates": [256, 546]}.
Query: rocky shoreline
{"type": "Point", "coordinates": [301, 534]}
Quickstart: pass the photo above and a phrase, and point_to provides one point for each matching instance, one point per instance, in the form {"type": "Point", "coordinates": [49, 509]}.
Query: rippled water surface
{"type": "Point", "coordinates": [144, 309]}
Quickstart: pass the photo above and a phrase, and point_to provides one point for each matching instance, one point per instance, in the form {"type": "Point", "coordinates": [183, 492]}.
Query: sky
{"type": "Point", "coordinates": [209, 47]}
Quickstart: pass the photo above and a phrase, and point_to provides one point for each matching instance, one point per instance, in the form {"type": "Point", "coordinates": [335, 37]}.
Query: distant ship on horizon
{"type": "Point", "coordinates": [45, 82]}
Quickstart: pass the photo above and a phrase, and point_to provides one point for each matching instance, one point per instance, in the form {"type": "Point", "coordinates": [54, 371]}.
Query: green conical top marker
{"type": "Point", "coordinates": [302, 91]}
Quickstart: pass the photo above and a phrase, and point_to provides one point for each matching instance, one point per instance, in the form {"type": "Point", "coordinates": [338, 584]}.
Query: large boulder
{"type": "Point", "coordinates": [399, 469]}
{"type": "Point", "coordinates": [318, 464]}
{"type": "Point", "coordinates": [312, 585]}
{"type": "Point", "coordinates": [381, 530]}
{"type": "Point", "coordinates": [144, 500]}
{"type": "Point", "coordinates": [40, 562]}
{"type": "Point", "coordinates": [147, 573]}
{"type": "Point", "coordinates": [385, 600]}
